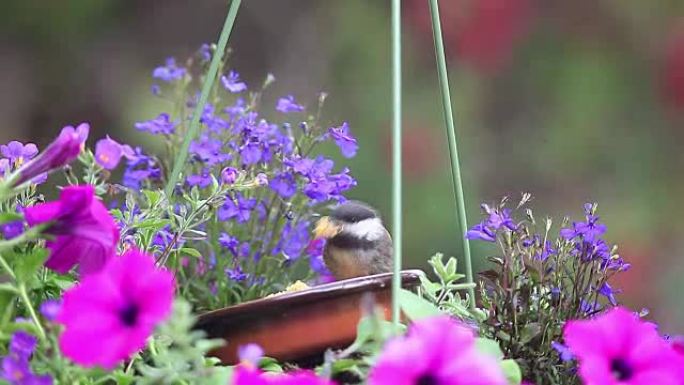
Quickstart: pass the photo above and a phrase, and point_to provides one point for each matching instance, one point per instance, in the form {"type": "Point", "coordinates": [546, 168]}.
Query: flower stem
{"type": "Point", "coordinates": [7, 267]}
{"type": "Point", "coordinates": [453, 148]}
{"type": "Point", "coordinates": [27, 302]}
{"type": "Point", "coordinates": [206, 88]}
{"type": "Point", "coordinates": [396, 158]}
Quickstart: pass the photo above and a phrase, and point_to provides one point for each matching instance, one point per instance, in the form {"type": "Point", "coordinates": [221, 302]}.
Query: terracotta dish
{"type": "Point", "coordinates": [301, 324]}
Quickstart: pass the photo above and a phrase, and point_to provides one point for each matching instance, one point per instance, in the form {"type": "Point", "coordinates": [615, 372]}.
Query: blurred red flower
{"type": "Point", "coordinates": [672, 76]}
{"type": "Point", "coordinates": [421, 150]}
{"type": "Point", "coordinates": [481, 33]}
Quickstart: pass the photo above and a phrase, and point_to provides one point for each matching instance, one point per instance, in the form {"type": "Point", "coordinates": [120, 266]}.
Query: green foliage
{"type": "Point", "coordinates": [445, 294]}
{"type": "Point", "coordinates": [178, 354]}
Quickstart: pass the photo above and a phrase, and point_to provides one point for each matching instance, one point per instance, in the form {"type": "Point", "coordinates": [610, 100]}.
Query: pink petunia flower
{"type": "Point", "coordinates": [617, 348]}
{"type": "Point", "coordinates": [247, 375]}
{"type": "Point", "coordinates": [64, 149]}
{"type": "Point", "coordinates": [85, 232]}
{"type": "Point", "coordinates": [108, 153]}
{"type": "Point", "coordinates": [110, 314]}
{"type": "Point", "coordinates": [436, 351]}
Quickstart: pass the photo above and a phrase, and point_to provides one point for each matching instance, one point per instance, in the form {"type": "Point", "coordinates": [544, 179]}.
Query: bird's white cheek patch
{"type": "Point", "coordinates": [370, 229]}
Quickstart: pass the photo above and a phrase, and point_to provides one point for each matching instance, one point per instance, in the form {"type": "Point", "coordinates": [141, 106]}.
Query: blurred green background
{"type": "Point", "coordinates": [571, 101]}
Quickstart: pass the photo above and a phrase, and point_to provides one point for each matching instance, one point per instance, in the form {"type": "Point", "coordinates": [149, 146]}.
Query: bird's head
{"type": "Point", "coordinates": [351, 219]}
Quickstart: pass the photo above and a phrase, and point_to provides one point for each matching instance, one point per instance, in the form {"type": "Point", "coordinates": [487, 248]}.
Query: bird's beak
{"type": "Point", "coordinates": [325, 228]}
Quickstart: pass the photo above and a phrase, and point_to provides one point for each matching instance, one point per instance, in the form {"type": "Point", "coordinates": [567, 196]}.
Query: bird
{"type": "Point", "coordinates": [357, 243]}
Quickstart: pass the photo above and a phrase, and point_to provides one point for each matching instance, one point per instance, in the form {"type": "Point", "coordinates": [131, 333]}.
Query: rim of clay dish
{"type": "Point", "coordinates": [409, 278]}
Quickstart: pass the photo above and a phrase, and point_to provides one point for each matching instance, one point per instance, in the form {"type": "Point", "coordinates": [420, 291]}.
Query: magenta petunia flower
{"type": "Point", "coordinates": [436, 351]}
{"type": "Point", "coordinates": [110, 314]}
{"type": "Point", "coordinates": [617, 348]}
{"type": "Point", "coordinates": [85, 233]}
{"type": "Point", "coordinates": [59, 153]}
{"type": "Point", "coordinates": [247, 375]}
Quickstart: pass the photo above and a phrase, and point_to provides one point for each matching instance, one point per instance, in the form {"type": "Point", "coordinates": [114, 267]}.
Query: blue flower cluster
{"type": "Point", "coordinates": [239, 141]}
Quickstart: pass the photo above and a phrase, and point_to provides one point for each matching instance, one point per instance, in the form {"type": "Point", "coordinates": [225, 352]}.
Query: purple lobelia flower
{"type": "Point", "coordinates": [316, 263]}
{"type": "Point", "coordinates": [284, 184]}
{"type": "Point", "coordinates": [250, 354]}
{"type": "Point", "coordinates": [294, 240]}
{"type": "Point", "coordinates": [85, 233]}
{"type": "Point", "coordinates": [251, 153]}
{"type": "Point", "coordinates": [16, 369]}
{"type": "Point", "coordinates": [64, 149]}
{"type": "Point", "coordinates": [209, 150]}
{"type": "Point", "coordinates": [563, 352]}
{"type": "Point", "coordinates": [212, 120]}
{"type": "Point", "coordinates": [162, 124]}
{"type": "Point", "coordinates": [12, 229]}
{"type": "Point", "coordinates": [344, 140]}
{"type": "Point", "coordinates": [239, 209]}
{"type": "Point", "coordinates": [230, 243]}
{"type": "Point", "coordinates": [140, 168]}
{"type": "Point", "coordinates": [205, 52]}
{"type": "Point", "coordinates": [261, 179]}
{"type": "Point", "coordinates": [590, 230]}
{"type": "Point", "coordinates": [236, 109]}
{"type": "Point", "coordinates": [236, 274]}
{"type": "Point", "coordinates": [607, 291]}
{"type": "Point", "coordinates": [169, 72]}
{"type": "Point", "coordinates": [322, 185]}
{"type": "Point", "coordinates": [22, 345]}
{"type": "Point", "coordinates": [18, 153]}
{"type": "Point", "coordinates": [229, 175]}
{"type": "Point", "coordinates": [108, 153]}
{"type": "Point", "coordinates": [233, 83]}
{"type": "Point", "coordinates": [50, 308]}
{"type": "Point", "coordinates": [4, 167]}
{"type": "Point", "coordinates": [202, 180]}
{"type": "Point", "coordinates": [502, 218]}
{"type": "Point", "coordinates": [288, 104]}
{"type": "Point", "coordinates": [481, 232]}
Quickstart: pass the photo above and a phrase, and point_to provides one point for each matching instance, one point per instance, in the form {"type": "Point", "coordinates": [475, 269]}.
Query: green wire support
{"type": "Point", "coordinates": [396, 157]}
{"type": "Point", "coordinates": [453, 148]}
{"type": "Point", "coordinates": [206, 88]}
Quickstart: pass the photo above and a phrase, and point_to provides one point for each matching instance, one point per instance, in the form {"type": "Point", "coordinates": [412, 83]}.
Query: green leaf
{"type": "Point", "coordinates": [512, 372]}
{"type": "Point", "coordinates": [343, 365]}
{"type": "Point", "coordinates": [122, 378]}
{"type": "Point", "coordinates": [117, 214]}
{"type": "Point", "coordinates": [191, 252]}
{"type": "Point", "coordinates": [6, 308]}
{"type": "Point", "coordinates": [152, 197]}
{"type": "Point", "coordinates": [27, 265]}
{"type": "Point", "coordinates": [451, 266]}
{"type": "Point", "coordinates": [152, 224]}
{"type": "Point", "coordinates": [268, 364]}
{"type": "Point", "coordinates": [8, 288]}
{"type": "Point", "coordinates": [416, 307]}
{"type": "Point", "coordinates": [530, 331]}
{"type": "Point", "coordinates": [489, 347]}
{"type": "Point", "coordinates": [9, 217]}
{"type": "Point", "coordinates": [438, 265]}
